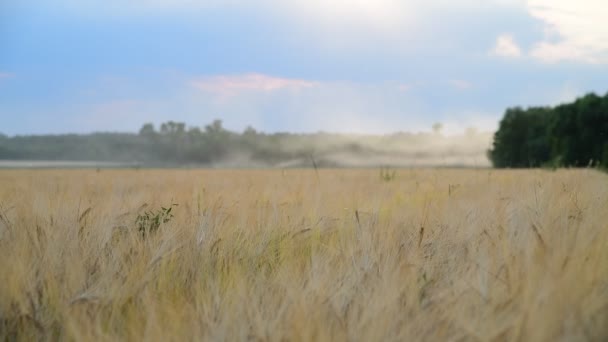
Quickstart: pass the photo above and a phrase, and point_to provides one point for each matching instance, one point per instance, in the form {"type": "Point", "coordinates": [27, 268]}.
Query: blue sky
{"type": "Point", "coordinates": [367, 66]}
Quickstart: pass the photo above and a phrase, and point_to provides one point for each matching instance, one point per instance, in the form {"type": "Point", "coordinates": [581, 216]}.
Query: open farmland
{"type": "Point", "coordinates": [271, 255]}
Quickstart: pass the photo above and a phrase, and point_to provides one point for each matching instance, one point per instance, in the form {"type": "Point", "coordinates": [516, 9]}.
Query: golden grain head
{"type": "Point", "coordinates": [332, 255]}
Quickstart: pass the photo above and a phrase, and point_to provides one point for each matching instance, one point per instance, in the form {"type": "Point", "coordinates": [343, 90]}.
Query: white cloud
{"type": "Point", "coordinates": [308, 106]}
{"type": "Point", "coordinates": [574, 30]}
{"type": "Point", "coordinates": [377, 14]}
{"type": "Point", "coordinates": [405, 87]}
{"type": "Point", "coordinates": [460, 84]}
{"type": "Point", "coordinates": [558, 52]}
{"type": "Point", "coordinates": [389, 17]}
{"type": "Point", "coordinates": [328, 106]}
{"type": "Point", "coordinates": [333, 27]}
{"type": "Point", "coordinates": [506, 46]}
{"type": "Point", "coordinates": [228, 86]}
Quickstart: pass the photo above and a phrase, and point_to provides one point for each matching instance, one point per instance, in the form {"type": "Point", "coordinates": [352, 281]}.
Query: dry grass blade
{"type": "Point", "coordinates": [256, 257]}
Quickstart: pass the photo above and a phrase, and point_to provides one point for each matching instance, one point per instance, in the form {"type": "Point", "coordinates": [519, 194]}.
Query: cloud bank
{"type": "Point", "coordinates": [372, 66]}
{"type": "Point", "coordinates": [574, 30]}
{"type": "Point", "coordinates": [231, 85]}
{"type": "Point", "coordinates": [506, 47]}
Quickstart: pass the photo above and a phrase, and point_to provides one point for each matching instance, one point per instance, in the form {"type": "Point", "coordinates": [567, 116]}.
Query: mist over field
{"type": "Point", "coordinates": [399, 150]}
{"type": "Point", "coordinates": [175, 145]}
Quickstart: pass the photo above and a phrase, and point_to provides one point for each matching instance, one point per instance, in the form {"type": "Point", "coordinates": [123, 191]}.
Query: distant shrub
{"type": "Point", "coordinates": [150, 221]}
{"type": "Point", "coordinates": [387, 175]}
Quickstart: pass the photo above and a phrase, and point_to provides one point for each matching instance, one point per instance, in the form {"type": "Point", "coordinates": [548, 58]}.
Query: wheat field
{"type": "Point", "coordinates": [303, 255]}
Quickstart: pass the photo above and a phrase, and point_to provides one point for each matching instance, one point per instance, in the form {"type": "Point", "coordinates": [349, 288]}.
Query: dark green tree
{"type": "Point", "coordinates": [521, 140]}
{"type": "Point", "coordinates": [572, 134]}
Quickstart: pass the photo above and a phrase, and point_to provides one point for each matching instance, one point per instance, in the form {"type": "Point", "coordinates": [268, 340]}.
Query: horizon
{"type": "Point", "coordinates": [430, 130]}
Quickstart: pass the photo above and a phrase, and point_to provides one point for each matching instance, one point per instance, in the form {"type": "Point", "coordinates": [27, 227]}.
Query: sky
{"type": "Point", "coordinates": [358, 66]}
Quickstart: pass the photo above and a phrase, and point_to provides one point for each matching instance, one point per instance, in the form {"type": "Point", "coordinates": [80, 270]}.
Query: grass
{"type": "Point", "coordinates": [273, 255]}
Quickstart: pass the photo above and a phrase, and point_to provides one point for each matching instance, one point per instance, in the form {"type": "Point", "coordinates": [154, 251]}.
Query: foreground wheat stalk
{"type": "Point", "coordinates": [303, 255]}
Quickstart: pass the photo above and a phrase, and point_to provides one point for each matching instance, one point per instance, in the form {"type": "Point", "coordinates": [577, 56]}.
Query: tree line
{"type": "Point", "coordinates": [176, 144]}
{"type": "Point", "coordinates": [568, 135]}
{"type": "Point", "coordinates": [172, 143]}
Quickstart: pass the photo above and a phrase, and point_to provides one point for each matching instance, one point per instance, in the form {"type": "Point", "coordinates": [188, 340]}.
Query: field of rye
{"type": "Point", "coordinates": [301, 255]}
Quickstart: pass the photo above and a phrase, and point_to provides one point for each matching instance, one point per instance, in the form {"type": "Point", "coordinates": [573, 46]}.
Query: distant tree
{"type": "Point", "coordinates": [437, 127]}
{"type": "Point", "coordinates": [164, 128]}
{"type": "Point", "coordinates": [194, 132]}
{"type": "Point", "coordinates": [215, 127]}
{"type": "Point", "coordinates": [147, 130]}
{"type": "Point", "coordinates": [173, 128]}
{"type": "Point", "coordinates": [250, 131]}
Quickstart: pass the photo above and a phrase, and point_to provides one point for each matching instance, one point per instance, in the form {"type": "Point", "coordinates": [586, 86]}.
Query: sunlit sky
{"type": "Point", "coordinates": [365, 66]}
